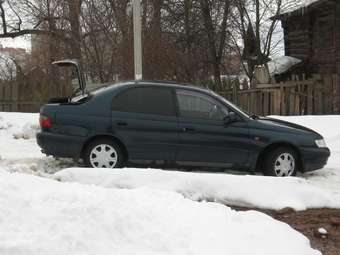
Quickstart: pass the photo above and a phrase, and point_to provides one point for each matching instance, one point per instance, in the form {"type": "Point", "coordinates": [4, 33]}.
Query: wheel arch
{"type": "Point", "coordinates": [261, 157]}
{"type": "Point", "coordinates": [105, 136]}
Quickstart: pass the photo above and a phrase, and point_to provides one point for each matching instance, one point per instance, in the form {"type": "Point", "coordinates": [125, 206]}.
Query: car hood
{"type": "Point", "coordinates": [286, 125]}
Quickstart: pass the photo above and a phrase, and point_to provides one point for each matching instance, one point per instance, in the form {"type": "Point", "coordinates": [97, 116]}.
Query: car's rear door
{"type": "Point", "coordinates": [144, 117]}
{"type": "Point", "coordinates": [204, 137]}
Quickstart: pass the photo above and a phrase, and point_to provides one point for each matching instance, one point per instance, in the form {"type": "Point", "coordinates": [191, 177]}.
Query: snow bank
{"type": "Point", "coordinates": [40, 216]}
{"type": "Point", "coordinates": [249, 191]}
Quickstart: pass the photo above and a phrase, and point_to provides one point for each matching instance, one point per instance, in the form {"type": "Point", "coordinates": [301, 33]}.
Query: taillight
{"type": "Point", "coordinates": [45, 121]}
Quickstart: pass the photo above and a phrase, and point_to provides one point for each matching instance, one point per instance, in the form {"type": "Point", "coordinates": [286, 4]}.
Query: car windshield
{"type": "Point", "coordinates": [243, 112]}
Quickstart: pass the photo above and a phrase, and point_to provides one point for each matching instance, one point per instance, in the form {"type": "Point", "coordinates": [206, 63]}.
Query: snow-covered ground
{"type": "Point", "coordinates": [100, 211]}
{"type": "Point", "coordinates": [40, 216]}
{"type": "Point", "coordinates": [316, 189]}
{"type": "Point", "coordinates": [20, 153]}
{"type": "Point", "coordinates": [329, 127]}
{"type": "Point", "coordinates": [238, 190]}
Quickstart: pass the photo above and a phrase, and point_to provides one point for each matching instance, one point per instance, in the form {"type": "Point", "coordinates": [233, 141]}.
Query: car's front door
{"type": "Point", "coordinates": [144, 117]}
{"type": "Point", "coordinates": [205, 138]}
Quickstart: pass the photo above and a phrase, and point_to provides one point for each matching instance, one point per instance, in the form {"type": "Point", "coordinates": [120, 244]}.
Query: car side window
{"type": "Point", "coordinates": [196, 105]}
{"type": "Point", "coordinates": [148, 100]}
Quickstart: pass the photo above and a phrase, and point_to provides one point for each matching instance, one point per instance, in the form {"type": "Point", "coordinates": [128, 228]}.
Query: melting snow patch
{"type": "Point", "coordinates": [28, 131]}
{"type": "Point", "coordinates": [322, 231]}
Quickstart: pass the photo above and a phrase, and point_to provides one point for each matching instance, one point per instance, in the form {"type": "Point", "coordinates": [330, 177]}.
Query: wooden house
{"type": "Point", "coordinates": [312, 34]}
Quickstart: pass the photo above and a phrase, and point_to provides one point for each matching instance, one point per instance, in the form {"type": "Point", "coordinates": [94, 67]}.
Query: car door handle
{"type": "Point", "coordinates": [121, 123]}
{"type": "Point", "coordinates": [188, 129]}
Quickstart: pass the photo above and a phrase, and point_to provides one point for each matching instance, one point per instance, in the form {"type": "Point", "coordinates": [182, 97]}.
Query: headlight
{"type": "Point", "coordinates": [321, 143]}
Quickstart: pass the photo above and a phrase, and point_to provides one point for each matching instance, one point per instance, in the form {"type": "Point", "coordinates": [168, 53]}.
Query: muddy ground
{"type": "Point", "coordinates": [308, 223]}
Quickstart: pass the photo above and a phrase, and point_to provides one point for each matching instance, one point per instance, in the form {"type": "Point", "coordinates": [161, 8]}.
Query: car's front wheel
{"type": "Point", "coordinates": [103, 153]}
{"type": "Point", "coordinates": [281, 162]}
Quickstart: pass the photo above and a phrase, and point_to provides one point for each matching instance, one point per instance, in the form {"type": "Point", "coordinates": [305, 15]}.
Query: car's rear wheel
{"type": "Point", "coordinates": [281, 162]}
{"type": "Point", "coordinates": [103, 153]}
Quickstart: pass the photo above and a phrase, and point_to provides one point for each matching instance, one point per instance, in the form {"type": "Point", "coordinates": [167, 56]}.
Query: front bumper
{"type": "Point", "coordinates": [314, 158]}
{"type": "Point", "coordinates": [59, 145]}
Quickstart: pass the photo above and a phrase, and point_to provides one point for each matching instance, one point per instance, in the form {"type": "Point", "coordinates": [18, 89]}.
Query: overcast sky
{"type": "Point", "coordinates": [20, 42]}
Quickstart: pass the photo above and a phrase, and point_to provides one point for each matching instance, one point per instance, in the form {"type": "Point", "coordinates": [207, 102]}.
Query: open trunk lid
{"type": "Point", "coordinates": [75, 64]}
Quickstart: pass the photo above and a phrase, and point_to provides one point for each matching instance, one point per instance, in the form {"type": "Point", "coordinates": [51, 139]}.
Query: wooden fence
{"type": "Point", "coordinates": [289, 98]}
{"type": "Point", "coordinates": [19, 106]}
{"type": "Point", "coordinates": [10, 100]}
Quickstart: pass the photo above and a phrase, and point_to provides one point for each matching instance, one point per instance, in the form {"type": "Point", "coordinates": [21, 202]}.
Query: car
{"type": "Point", "coordinates": [166, 123]}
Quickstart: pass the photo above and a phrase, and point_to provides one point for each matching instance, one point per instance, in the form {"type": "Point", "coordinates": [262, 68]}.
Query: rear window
{"type": "Point", "coordinates": [80, 99]}
{"type": "Point", "coordinates": [146, 100]}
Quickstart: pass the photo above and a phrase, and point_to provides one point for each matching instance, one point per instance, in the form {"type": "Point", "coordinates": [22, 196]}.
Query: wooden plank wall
{"type": "Point", "coordinates": [289, 98]}
{"type": "Point", "coordinates": [297, 37]}
{"type": "Point", "coordinates": [9, 100]}
{"type": "Point", "coordinates": [337, 40]}
{"type": "Point", "coordinates": [8, 91]}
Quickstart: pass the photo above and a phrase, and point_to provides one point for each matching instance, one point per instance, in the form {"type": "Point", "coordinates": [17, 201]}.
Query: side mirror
{"type": "Point", "coordinates": [230, 118]}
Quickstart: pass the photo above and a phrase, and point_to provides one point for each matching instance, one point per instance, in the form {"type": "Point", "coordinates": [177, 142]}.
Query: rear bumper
{"type": "Point", "coordinates": [60, 145]}
{"type": "Point", "coordinates": [314, 158]}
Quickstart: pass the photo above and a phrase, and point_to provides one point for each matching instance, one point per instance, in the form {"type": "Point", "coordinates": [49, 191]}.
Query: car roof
{"type": "Point", "coordinates": [169, 84]}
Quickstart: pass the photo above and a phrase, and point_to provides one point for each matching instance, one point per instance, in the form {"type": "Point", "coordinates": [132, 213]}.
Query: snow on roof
{"type": "Point", "coordinates": [299, 5]}
{"type": "Point", "coordinates": [281, 64]}
{"type": "Point", "coordinates": [308, 2]}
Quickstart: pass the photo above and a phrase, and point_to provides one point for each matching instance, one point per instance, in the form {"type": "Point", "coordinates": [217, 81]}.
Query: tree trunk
{"type": "Point", "coordinates": [210, 30]}
{"type": "Point", "coordinates": [74, 19]}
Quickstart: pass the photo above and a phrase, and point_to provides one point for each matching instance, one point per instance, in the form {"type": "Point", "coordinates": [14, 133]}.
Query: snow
{"type": "Point", "coordinates": [322, 231]}
{"type": "Point", "coordinates": [281, 64]}
{"type": "Point", "coordinates": [247, 191]}
{"type": "Point", "coordinates": [40, 216]}
{"type": "Point", "coordinates": [327, 178]}
{"type": "Point", "coordinates": [308, 2]}
{"type": "Point", "coordinates": [316, 189]}
{"type": "Point", "coordinates": [311, 190]}
{"type": "Point", "coordinates": [19, 151]}
{"type": "Point", "coordinates": [299, 4]}
{"type": "Point", "coordinates": [101, 211]}
{"type": "Point", "coordinates": [18, 125]}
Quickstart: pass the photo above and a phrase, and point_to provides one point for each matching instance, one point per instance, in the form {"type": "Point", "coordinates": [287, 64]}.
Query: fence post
{"type": "Point", "coordinates": [235, 93]}
{"type": "Point", "coordinates": [14, 96]}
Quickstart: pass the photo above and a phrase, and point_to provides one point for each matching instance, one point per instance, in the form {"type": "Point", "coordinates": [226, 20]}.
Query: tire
{"type": "Point", "coordinates": [281, 162]}
{"type": "Point", "coordinates": [103, 153]}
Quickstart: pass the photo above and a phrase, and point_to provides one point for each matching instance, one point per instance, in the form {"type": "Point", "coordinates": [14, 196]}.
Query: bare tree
{"type": "Point", "coordinates": [215, 17]}
{"type": "Point", "coordinates": [254, 33]}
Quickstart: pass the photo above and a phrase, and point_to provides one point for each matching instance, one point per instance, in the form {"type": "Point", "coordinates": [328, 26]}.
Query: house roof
{"type": "Point", "coordinates": [300, 9]}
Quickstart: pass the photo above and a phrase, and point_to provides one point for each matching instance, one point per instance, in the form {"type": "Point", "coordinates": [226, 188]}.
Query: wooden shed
{"type": "Point", "coordinates": [312, 34]}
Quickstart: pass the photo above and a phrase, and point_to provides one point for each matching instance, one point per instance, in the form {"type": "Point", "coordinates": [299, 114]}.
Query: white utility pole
{"type": "Point", "coordinates": [137, 39]}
